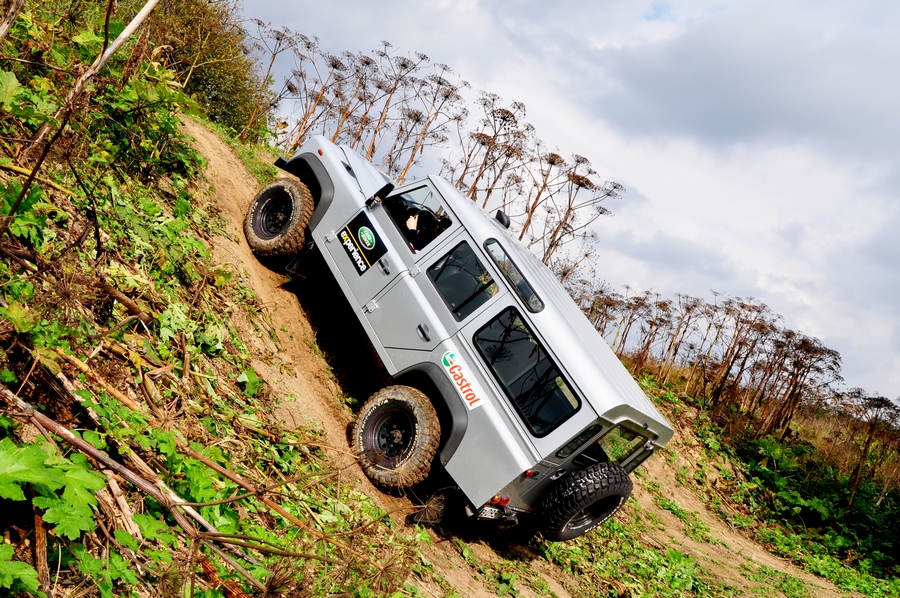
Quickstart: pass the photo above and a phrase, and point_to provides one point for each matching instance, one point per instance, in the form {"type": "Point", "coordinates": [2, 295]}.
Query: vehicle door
{"type": "Point", "coordinates": [409, 229]}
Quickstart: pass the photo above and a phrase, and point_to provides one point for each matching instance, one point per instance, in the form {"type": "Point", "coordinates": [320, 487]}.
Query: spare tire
{"type": "Point", "coordinates": [583, 500]}
{"type": "Point", "coordinates": [396, 437]}
{"type": "Point", "coordinates": [277, 218]}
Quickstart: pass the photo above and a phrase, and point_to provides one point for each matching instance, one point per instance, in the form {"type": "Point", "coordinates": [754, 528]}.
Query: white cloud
{"type": "Point", "coordinates": [758, 141]}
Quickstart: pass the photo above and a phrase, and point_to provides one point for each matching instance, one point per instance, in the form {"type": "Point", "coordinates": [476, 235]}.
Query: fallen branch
{"type": "Point", "coordinates": [159, 491]}
{"type": "Point", "coordinates": [15, 8]}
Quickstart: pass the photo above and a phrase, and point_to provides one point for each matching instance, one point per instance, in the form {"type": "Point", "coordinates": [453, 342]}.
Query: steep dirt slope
{"type": "Point", "coordinates": [295, 368]}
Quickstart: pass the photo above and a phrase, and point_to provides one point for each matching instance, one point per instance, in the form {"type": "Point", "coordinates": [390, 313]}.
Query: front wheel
{"type": "Point", "coordinates": [396, 435]}
{"type": "Point", "coordinates": [582, 501]}
{"type": "Point", "coordinates": [277, 218]}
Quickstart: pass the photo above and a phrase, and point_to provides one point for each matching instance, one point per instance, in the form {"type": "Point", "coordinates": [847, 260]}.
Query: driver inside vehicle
{"type": "Point", "coordinates": [421, 228]}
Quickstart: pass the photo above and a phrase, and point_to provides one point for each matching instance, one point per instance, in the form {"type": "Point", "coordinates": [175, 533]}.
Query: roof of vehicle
{"type": "Point", "coordinates": [579, 348]}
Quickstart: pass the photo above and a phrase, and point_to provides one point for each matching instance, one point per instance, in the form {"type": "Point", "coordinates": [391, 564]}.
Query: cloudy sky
{"type": "Point", "coordinates": [758, 141]}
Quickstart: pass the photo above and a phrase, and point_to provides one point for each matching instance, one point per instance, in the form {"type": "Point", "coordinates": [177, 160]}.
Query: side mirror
{"type": "Point", "coordinates": [502, 218]}
{"type": "Point", "coordinates": [379, 195]}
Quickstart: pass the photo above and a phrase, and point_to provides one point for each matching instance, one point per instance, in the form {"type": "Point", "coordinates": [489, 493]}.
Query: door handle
{"type": "Point", "coordinates": [423, 331]}
{"type": "Point", "coordinates": [384, 265]}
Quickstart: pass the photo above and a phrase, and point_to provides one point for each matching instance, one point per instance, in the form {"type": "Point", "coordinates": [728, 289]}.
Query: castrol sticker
{"type": "Point", "coordinates": [471, 394]}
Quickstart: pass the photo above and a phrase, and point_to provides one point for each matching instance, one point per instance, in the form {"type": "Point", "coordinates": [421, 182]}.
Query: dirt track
{"type": "Point", "coordinates": [296, 368]}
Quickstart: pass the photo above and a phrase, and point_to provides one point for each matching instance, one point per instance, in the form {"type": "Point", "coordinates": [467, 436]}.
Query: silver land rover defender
{"type": "Point", "coordinates": [498, 377]}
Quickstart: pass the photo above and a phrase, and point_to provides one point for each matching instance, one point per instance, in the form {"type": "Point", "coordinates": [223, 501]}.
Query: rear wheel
{"type": "Point", "coordinates": [277, 218]}
{"type": "Point", "coordinates": [582, 501]}
{"type": "Point", "coordinates": [396, 435]}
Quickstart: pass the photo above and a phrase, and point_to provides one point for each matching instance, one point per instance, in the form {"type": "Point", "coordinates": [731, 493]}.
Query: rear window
{"type": "Point", "coordinates": [616, 446]}
{"type": "Point", "coordinates": [530, 379]}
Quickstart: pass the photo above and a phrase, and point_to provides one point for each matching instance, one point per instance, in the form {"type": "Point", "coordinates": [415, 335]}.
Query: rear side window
{"type": "Point", "coordinates": [462, 281]}
{"type": "Point", "coordinates": [530, 379]}
{"type": "Point", "coordinates": [512, 273]}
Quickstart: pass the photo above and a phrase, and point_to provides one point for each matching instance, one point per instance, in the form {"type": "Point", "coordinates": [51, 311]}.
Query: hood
{"type": "Point", "coordinates": [370, 179]}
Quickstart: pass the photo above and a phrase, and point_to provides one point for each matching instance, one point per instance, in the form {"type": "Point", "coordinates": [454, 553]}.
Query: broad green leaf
{"type": "Point", "coordinates": [153, 529]}
{"type": "Point", "coordinates": [250, 382]}
{"type": "Point", "coordinates": [81, 482]}
{"type": "Point", "coordinates": [24, 464]}
{"type": "Point", "coordinates": [95, 439]}
{"type": "Point", "coordinates": [9, 89]}
{"type": "Point", "coordinates": [14, 571]}
{"type": "Point", "coordinates": [70, 520]}
{"type": "Point", "coordinates": [21, 318]}
{"type": "Point", "coordinates": [125, 539]}
{"type": "Point", "coordinates": [86, 38]}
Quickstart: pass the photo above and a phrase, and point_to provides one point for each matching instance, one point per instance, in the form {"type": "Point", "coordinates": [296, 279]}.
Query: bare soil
{"type": "Point", "coordinates": [288, 355]}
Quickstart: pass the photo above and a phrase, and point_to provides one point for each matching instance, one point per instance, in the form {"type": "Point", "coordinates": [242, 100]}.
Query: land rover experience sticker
{"type": "Point", "coordinates": [462, 377]}
{"type": "Point", "coordinates": [362, 244]}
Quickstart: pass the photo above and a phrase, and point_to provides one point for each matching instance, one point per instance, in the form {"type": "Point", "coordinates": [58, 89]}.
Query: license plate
{"type": "Point", "coordinates": [490, 513]}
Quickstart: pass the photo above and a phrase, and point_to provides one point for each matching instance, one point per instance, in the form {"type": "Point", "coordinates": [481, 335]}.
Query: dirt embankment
{"type": "Point", "coordinates": [295, 367]}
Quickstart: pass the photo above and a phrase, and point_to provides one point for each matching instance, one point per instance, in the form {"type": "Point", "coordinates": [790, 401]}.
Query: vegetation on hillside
{"type": "Point", "coordinates": [136, 456]}
{"type": "Point", "coordinates": [826, 459]}
{"type": "Point", "coordinates": [136, 453]}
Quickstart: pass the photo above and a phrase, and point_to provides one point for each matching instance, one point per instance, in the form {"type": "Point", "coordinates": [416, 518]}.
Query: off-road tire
{"type": "Point", "coordinates": [396, 437]}
{"type": "Point", "coordinates": [277, 218]}
{"type": "Point", "coordinates": [583, 500]}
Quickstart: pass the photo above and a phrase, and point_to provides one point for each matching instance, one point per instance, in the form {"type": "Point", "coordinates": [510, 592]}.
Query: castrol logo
{"type": "Point", "coordinates": [471, 394]}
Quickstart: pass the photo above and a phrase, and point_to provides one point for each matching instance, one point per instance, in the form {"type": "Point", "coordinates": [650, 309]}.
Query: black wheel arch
{"type": "Point", "coordinates": [309, 169]}
{"type": "Point", "coordinates": [454, 417]}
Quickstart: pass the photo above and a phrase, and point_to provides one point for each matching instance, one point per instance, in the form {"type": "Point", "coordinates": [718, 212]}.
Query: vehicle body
{"type": "Point", "coordinates": [529, 402]}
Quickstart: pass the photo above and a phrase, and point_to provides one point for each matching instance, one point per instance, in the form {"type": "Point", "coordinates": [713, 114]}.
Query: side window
{"type": "Point", "coordinates": [419, 215]}
{"type": "Point", "coordinates": [524, 290]}
{"type": "Point", "coordinates": [462, 281]}
{"type": "Point", "coordinates": [616, 446]}
{"type": "Point", "coordinates": [530, 379]}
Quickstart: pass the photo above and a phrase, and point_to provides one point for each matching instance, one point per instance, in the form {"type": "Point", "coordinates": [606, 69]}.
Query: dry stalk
{"type": "Point", "coordinates": [127, 516]}
{"type": "Point", "coordinates": [85, 369]}
{"type": "Point", "coordinates": [48, 182]}
{"type": "Point", "coordinates": [15, 7]}
{"type": "Point", "coordinates": [40, 551]}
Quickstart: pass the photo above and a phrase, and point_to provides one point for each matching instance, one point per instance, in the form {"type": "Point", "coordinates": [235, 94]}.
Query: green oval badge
{"type": "Point", "coordinates": [366, 237]}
